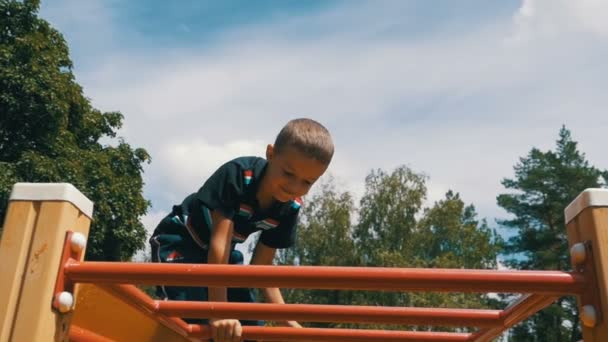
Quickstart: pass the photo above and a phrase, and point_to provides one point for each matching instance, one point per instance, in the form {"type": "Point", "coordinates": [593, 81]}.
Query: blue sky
{"type": "Point", "coordinates": [458, 90]}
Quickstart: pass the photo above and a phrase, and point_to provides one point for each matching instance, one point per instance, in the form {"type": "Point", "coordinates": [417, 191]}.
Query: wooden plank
{"type": "Point", "coordinates": [14, 246]}
{"type": "Point", "coordinates": [591, 224]}
{"type": "Point", "coordinates": [35, 319]}
{"type": "Point", "coordinates": [110, 315]}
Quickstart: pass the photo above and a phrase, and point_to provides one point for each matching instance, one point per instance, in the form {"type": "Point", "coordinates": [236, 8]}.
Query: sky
{"type": "Point", "coordinates": [458, 90]}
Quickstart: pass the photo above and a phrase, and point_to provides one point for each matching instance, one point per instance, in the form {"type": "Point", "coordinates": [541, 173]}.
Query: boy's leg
{"type": "Point", "coordinates": [198, 294]}
{"type": "Point", "coordinates": [171, 244]}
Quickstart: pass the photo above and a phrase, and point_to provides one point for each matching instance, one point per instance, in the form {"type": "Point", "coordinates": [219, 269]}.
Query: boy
{"type": "Point", "coordinates": [245, 195]}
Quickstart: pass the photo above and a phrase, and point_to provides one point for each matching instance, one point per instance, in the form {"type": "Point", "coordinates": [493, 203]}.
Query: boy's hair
{"type": "Point", "coordinates": [309, 137]}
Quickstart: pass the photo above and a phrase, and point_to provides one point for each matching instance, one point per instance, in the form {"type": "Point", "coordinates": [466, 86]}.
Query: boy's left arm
{"type": "Point", "coordinates": [264, 255]}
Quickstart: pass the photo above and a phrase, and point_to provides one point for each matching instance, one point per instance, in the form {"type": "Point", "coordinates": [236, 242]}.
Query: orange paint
{"type": "Point", "coordinates": [109, 316]}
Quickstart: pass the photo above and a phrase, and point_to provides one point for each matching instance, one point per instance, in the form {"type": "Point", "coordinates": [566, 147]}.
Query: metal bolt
{"type": "Point", "coordinates": [578, 253]}
{"type": "Point", "coordinates": [79, 241]}
{"type": "Point", "coordinates": [64, 301]}
{"type": "Point", "coordinates": [589, 316]}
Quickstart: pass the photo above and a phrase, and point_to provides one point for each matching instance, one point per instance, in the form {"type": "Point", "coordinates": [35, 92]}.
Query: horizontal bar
{"type": "Point", "coordinates": [142, 301]}
{"type": "Point", "coordinates": [307, 312]}
{"type": "Point", "coordinates": [324, 277]}
{"type": "Point", "coordinates": [335, 334]}
{"type": "Point", "coordinates": [332, 313]}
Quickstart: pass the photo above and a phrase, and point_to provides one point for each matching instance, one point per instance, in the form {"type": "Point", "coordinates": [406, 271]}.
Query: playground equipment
{"type": "Point", "coordinates": [49, 293]}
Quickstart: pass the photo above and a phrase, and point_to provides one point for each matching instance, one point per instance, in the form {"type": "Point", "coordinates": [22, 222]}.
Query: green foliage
{"type": "Point", "coordinates": [49, 132]}
{"type": "Point", "coordinates": [545, 183]}
{"type": "Point", "coordinates": [449, 235]}
{"type": "Point", "coordinates": [324, 238]}
{"type": "Point", "coordinates": [387, 216]}
{"type": "Point", "coordinates": [393, 230]}
{"type": "Point", "coordinates": [324, 230]}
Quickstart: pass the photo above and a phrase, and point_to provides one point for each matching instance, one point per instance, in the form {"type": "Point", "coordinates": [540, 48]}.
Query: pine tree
{"type": "Point", "coordinates": [544, 184]}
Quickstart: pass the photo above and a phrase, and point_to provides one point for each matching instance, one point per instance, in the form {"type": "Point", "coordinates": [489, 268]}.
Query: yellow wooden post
{"type": "Point", "coordinates": [37, 220]}
{"type": "Point", "coordinates": [587, 226]}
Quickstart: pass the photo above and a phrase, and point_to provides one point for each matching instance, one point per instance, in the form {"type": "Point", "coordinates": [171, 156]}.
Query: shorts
{"type": "Point", "coordinates": [172, 243]}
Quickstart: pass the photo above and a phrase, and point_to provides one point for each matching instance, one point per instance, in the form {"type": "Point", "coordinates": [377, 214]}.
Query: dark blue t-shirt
{"type": "Point", "coordinates": [232, 190]}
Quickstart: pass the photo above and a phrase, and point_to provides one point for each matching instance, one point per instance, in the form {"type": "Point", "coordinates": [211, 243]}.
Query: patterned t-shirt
{"type": "Point", "coordinates": [232, 190]}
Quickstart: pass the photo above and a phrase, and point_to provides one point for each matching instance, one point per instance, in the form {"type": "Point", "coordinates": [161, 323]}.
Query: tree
{"type": "Point", "coordinates": [544, 184]}
{"type": "Point", "coordinates": [449, 235]}
{"type": "Point", "coordinates": [388, 216]}
{"type": "Point", "coordinates": [49, 132]}
{"type": "Point", "coordinates": [393, 230]}
{"type": "Point", "coordinates": [324, 238]}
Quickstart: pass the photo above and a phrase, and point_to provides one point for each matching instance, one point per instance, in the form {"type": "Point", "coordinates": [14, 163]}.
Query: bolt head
{"type": "Point", "coordinates": [64, 301]}
{"type": "Point", "coordinates": [589, 316]}
{"type": "Point", "coordinates": [578, 253]}
{"type": "Point", "coordinates": [78, 242]}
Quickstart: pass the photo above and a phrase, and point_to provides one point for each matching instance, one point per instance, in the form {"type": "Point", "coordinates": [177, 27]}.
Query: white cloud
{"type": "Point", "coordinates": [150, 221]}
{"type": "Point", "coordinates": [556, 18]}
{"type": "Point", "coordinates": [91, 34]}
{"type": "Point", "coordinates": [460, 105]}
{"type": "Point", "coordinates": [185, 165]}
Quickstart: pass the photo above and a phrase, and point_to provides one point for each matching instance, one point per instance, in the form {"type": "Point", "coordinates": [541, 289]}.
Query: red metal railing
{"type": "Point", "coordinates": [543, 288]}
{"type": "Point", "coordinates": [135, 297]}
{"type": "Point", "coordinates": [320, 277]}
{"type": "Point", "coordinates": [332, 313]}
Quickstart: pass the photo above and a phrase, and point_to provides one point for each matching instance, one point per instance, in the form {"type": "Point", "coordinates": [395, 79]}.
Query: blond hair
{"type": "Point", "coordinates": [309, 137]}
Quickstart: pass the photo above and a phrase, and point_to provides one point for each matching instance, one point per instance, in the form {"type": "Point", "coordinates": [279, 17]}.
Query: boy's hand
{"type": "Point", "coordinates": [293, 324]}
{"type": "Point", "coordinates": [226, 330]}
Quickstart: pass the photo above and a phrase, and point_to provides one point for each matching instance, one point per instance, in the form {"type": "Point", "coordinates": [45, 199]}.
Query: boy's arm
{"type": "Point", "coordinates": [223, 330]}
{"type": "Point", "coordinates": [219, 250]}
{"type": "Point", "coordinates": [264, 255]}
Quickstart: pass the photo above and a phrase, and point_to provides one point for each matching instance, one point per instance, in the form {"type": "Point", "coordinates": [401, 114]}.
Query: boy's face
{"type": "Point", "coordinates": [291, 173]}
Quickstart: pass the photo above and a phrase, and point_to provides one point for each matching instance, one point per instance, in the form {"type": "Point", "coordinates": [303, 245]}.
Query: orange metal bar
{"type": "Point", "coordinates": [523, 308]}
{"type": "Point", "coordinates": [320, 277]}
{"type": "Point", "coordinates": [334, 334]}
{"type": "Point", "coordinates": [304, 312]}
{"type": "Point", "coordinates": [132, 294]}
{"type": "Point", "coordinates": [78, 334]}
{"type": "Point", "coordinates": [332, 313]}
